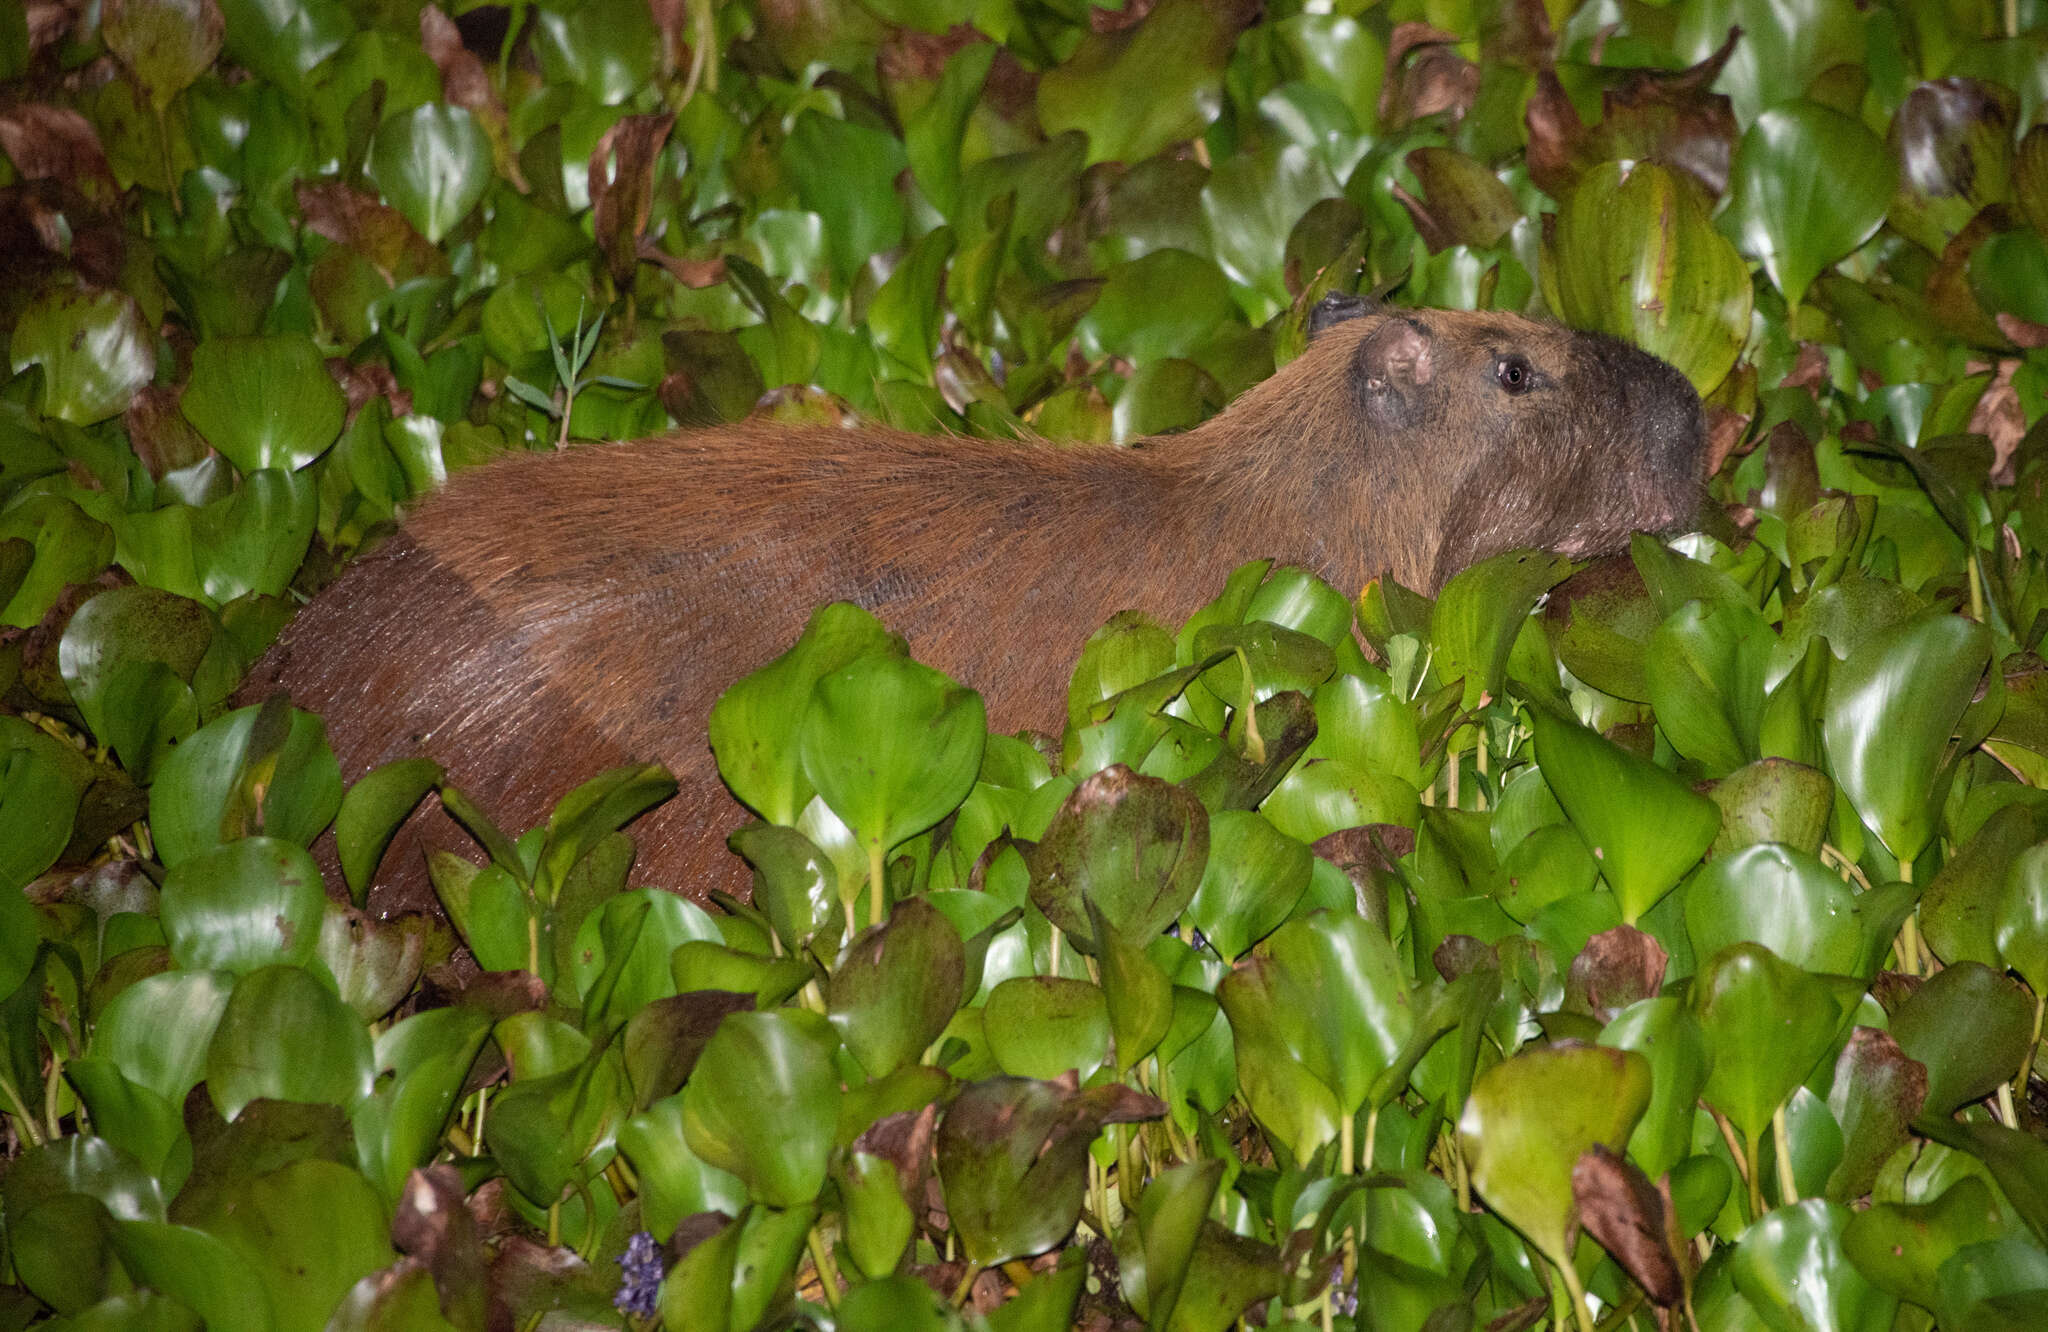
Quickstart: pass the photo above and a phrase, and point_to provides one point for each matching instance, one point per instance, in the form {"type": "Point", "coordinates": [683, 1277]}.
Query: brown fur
{"type": "Point", "coordinates": [552, 615]}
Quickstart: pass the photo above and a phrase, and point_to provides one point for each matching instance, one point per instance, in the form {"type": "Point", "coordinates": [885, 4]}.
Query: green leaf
{"type": "Point", "coordinates": [37, 807]}
{"type": "Point", "coordinates": [166, 44]}
{"type": "Point", "coordinates": [1786, 900]}
{"type": "Point", "coordinates": [307, 1231]}
{"type": "Point", "coordinates": [846, 173]}
{"type": "Point", "coordinates": [244, 905]}
{"type": "Point", "coordinates": [755, 723]}
{"type": "Point", "coordinates": [1044, 1026]}
{"type": "Point", "coordinates": [1899, 1247]}
{"type": "Point", "coordinates": [1252, 880]}
{"type": "Point", "coordinates": [1767, 1023]}
{"type": "Point", "coordinates": [1480, 612]}
{"type": "Point", "coordinates": [282, 40]}
{"type": "Point", "coordinates": [896, 987]}
{"type": "Point", "coordinates": [371, 811]}
{"type": "Point", "coordinates": [1530, 1118]}
{"type": "Point", "coordinates": [1891, 709]}
{"type": "Point", "coordinates": [205, 1274]}
{"type": "Point", "coordinates": [157, 1031]}
{"type": "Point", "coordinates": [763, 1103]}
{"type": "Point", "coordinates": [1133, 846]}
{"type": "Point", "coordinates": [1645, 826]}
{"type": "Point", "coordinates": [1790, 1267]}
{"type": "Point", "coordinates": [1970, 1026]}
{"type": "Point", "coordinates": [433, 164]}
{"type": "Point", "coordinates": [1134, 92]}
{"type": "Point", "coordinates": [1705, 668]}
{"type": "Point", "coordinates": [94, 346]}
{"type": "Point", "coordinates": [1808, 186]}
{"type": "Point", "coordinates": [264, 401]}
{"type": "Point", "coordinates": [299, 792]}
{"type": "Point", "coordinates": [286, 1036]}
{"type": "Point", "coordinates": [1013, 1158]}
{"type": "Point", "coordinates": [905, 316]}
{"type": "Point", "coordinates": [1634, 254]}
{"type": "Point", "coordinates": [932, 137]}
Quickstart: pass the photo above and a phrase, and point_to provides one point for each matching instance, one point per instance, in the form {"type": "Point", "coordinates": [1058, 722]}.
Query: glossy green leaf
{"type": "Point", "coordinates": [433, 163]}
{"type": "Point", "coordinates": [1645, 826]}
{"type": "Point", "coordinates": [1705, 668]}
{"type": "Point", "coordinates": [1767, 1023]}
{"type": "Point", "coordinates": [1251, 882]}
{"type": "Point", "coordinates": [203, 1273]}
{"type": "Point", "coordinates": [1482, 609]}
{"type": "Point", "coordinates": [201, 781]}
{"type": "Point", "coordinates": [1044, 1026]}
{"type": "Point", "coordinates": [754, 724]}
{"type": "Point", "coordinates": [896, 987]}
{"type": "Point", "coordinates": [2021, 920]}
{"type": "Point", "coordinates": [370, 813]}
{"type": "Point", "coordinates": [284, 1035]}
{"type": "Point", "coordinates": [892, 747]}
{"type": "Point", "coordinates": [263, 401]}
{"type": "Point", "coordinates": [1665, 1032]}
{"type": "Point", "coordinates": [763, 1102]}
{"type": "Point", "coordinates": [1808, 185]}
{"type": "Point", "coordinates": [1891, 709]}
{"type": "Point", "coordinates": [1784, 899]}
{"type": "Point", "coordinates": [674, 1181]}
{"type": "Point", "coordinates": [425, 1058]}
{"type": "Point", "coordinates": [1633, 254]}
{"type": "Point", "coordinates": [846, 173]}
{"type": "Point", "coordinates": [1791, 1267]}
{"type": "Point", "coordinates": [1773, 800]}
{"type": "Point", "coordinates": [1530, 1118]}
{"type": "Point", "coordinates": [1970, 1026]}
{"type": "Point", "coordinates": [1899, 1247]}
{"type": "Point", "coordinates": [879, 1223]}
{"type": "Point", "coordinates": [243, 906]}
{"type": "Point", "coordinates": [93, 345]}
{"type": "Point", "coordinates": [157, 1030]}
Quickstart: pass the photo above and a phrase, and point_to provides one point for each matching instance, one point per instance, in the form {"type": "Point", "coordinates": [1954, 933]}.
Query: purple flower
{"type": "Point", "coordinates": [640, 1272]}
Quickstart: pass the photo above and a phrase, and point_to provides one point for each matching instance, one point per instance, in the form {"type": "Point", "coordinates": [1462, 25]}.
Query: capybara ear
{"type": "Point", "coordinates": [1398, 356]}
{"type": "Point", "coordinates": [1336, 307]}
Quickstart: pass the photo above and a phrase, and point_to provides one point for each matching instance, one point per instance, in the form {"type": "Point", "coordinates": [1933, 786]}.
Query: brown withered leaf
{"type": "Point", "coordinates": [433, 1226]}
{"type": "Point", "coordinates": [360, 383]}
{"type": "Point", "coordinates": [622, 188]}
{"type": "Point", "coordinates": [56, 143]}
{"type": "Point", "coordinates": [1725, 431]}
{"type": "Point", "coordinates": [1669, 117]}
{"type": "Point", "coordinates": [1621, 1208]}
{"type": "Point", "coordinates": [49, 20]}
{"type": "Point", "coordinates": [905, 1140]}
{"type": "Point", "coordinates": [693, 273]}
{"type": "Point", "coordinates": [1520, 35]}
{"type": "Point", "coordinates": [1950, 298]}
{"type": "Point", "coordinates": [1616, 968]}
{"type": "Point", "coordinates": [1425, 76]}
{"type": "Point", "coordinates": [1999, 417]}
{"type": "Point", "coordinates": [1461, 955]}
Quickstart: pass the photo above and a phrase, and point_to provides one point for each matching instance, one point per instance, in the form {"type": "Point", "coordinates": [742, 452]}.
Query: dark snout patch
{"type": "Point", "coordinates": [1336, 308]}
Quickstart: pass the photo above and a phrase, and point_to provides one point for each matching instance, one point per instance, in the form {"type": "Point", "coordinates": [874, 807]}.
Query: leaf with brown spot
{"type": "Point", "coordinates": [161, 436]}
{"type": "Point", "coordinates": [466, 83]}
{"type": "Point", "coordinates": [164, 44]}
{"type": "Point", "coordinates": [1437, 79]}
{"type": "Point", "coordinates": [358, 222]}
{"type": "Point", "coordinates": [1878, 1090]}
{"type": "Point", "coordinates": [1621, 1208]}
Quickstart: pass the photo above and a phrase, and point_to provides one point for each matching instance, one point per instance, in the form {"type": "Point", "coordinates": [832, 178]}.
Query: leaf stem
{"type": "Point", "coordinates": [828, 1271]}
{"type": "Point", "coordinates": [1580, 1309]}
{"type": "Point", "coordinates": [1781, 1142]}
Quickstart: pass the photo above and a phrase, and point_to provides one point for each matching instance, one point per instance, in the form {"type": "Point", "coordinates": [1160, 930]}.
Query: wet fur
{"type": "Point", "coordinates": [552, 615]}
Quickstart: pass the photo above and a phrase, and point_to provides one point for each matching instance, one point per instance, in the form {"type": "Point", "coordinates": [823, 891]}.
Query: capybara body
{"type": "Point", "coordinates": [552, 615]}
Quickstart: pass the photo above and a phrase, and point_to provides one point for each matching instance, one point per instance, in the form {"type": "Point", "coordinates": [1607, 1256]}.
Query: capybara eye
{"type": "Point", "coordinates": [1514, 373]}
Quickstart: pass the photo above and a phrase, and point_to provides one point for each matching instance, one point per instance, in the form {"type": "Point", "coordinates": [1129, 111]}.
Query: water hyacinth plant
{"type": "Point", "coordinates": [1654, 942]}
